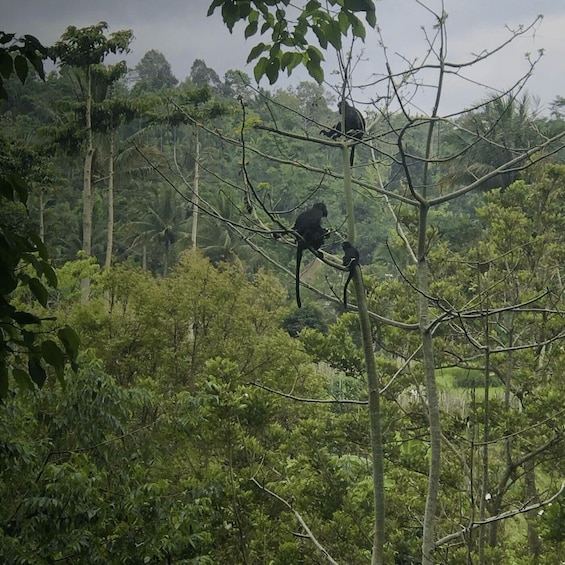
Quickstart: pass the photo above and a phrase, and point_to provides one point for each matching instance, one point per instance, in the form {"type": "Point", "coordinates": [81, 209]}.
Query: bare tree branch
{"type": "Point", "coordinates": [498, 517]}
{"type": "Point", "coordinates": [309, 533]}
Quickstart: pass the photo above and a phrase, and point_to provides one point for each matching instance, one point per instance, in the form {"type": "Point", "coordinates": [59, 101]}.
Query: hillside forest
{"type": "Point", "coordinates": [163, 399]}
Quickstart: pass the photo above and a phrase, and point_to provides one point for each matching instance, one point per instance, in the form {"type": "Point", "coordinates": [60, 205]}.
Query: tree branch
{"type": "Point", "coordinates": [309, 533]}
{"type": "Point", "coordinates": [498, 517]}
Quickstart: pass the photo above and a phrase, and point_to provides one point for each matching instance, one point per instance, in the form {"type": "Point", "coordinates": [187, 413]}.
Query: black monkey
{"type": "Point", "coordinates": [308, 226]}
{"type": "Point", "coordinates": [350, 260]}
{"type": "Point", "coordinates": [354, 127]}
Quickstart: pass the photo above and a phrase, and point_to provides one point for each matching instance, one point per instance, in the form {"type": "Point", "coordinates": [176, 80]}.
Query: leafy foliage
{"type": "Point", "coordinates": [25, 263]}
{"type": "Point", "coordinates": [289, 26]}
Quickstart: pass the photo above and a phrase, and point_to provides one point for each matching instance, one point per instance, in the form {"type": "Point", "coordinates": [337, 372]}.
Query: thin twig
{"type": "Point", "coordinates": [309, 533]}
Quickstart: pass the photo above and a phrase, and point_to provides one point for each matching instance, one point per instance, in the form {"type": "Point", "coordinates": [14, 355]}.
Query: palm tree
{"type": "Point", "coordinates": [499, 131]}
{"type": "Point", "coordinates": [165, 229]}
{"type": "Point", "coordinates": [216, 239]}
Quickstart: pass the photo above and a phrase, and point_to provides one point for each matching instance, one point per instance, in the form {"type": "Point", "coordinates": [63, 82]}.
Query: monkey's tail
{"type": "Point", "coordinates": [349, 277]}
{"type": "Point", "coordinates": [297, 276]}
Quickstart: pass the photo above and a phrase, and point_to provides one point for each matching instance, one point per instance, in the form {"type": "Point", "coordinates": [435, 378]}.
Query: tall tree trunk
{"type": "Point", "coordinates": [87, 200]}
{"type": "Point", "coordinates": [485, 455]}
{"type": "Point", "coordinates": [428, 540]}
{"type": "Point", "coordinates": [110, 242]}
{"type": "Point", "coordinates": [372, 378]}
{"type": "Point", "coordinates": [196, 188]}
{"type": "Point", "coordinates": [534, 541]}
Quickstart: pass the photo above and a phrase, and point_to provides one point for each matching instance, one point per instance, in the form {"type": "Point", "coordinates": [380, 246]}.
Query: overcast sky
{"type": "Point", "coordinates": [181, 31]}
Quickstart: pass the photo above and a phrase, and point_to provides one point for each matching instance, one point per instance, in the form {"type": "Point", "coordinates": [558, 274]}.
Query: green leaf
{"type": "Point", "coordinates": [39, 291]}
{"type": "Point", "coordinates": [251, 29]}
{"type": "Point", "coordinates": [357, 27]}
{"type": "Point", "coordinates": [333, 34]}
{"type": "Point", "coordinates": [22, 67]}
{"type": "Point", "coordinates": [290, 60]}
{"type": "Point", "coordinates": [316, 73]}
{"type": "Point", "coordinates": [259, 69]}
{"type": "Point", "coordinates": [49, 274]}
{"type": "Point", "coordinates": [343, 21]}
{"type": "Point", "coordinates": [215, 4]}
{"type": "Point", "coordinates": [37, 63]}
{"type": "Point", "coordinates": [314, 55]}
{"type": "Point", "coordinates": [311, 7]}
{"type": "Point", "coordinates": [54, 356]}
{"type": "Point", "coordinates": [230, 14]}
{"type": "Point", "coordinates": [256, 51]}
{"type": "Point", "coordinates": [25, 318]}
{"type": "Point", "coordinates": [321, 37]}
{"type": "Point", "coordinates": [39, 246]}
{"type": "Point", "coordinates": [36, 371]}
{"type": "Point", "coordinates": [70, 340]}
{"type": "Point", "coordinates": [6, 64]}
{"type": "Point", "coordinates": [272, 70]}
{"type": "Point", "coordinates": [371, 18]}
{"type": "Point", "coordinates": [360, 5]}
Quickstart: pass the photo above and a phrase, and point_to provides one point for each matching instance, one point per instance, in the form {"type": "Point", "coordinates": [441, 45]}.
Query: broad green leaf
{"type": "Point", "coordinates": [215, 4]}
{"type": "Point", "coordinates": [371, 18]}
{"type": "Point", "coordinates": [50, 274]}
{"type": "Point", "coordinates": [333, 34]}
{"type": "Point", "coordinates": [251, 29]}
{"type": "Point", "coordinates": [259, 69]}
{"type": "Point", "coordinates": [36, 371]}
{"type": "Point", "coordinates": [357, 27]}
{"type": "Point", "coordinates": [39, 291]}
{"type": "Point", "coordinates": [37, 63]}
{"type": "Point", "coordinates": [22, 67]}
{"type": "Point", "coordinates": [314, 55]}
{"type": "Point", "coordinates": [6, 64]}
{"type": "Point", "coordinates": [39, 246]}
{"type": "Point", "coordinates": [256, 51]}
{"type": "Point", "coordinates": [290, 60]}
{"type": "Point", "coordinates": [359, 5]}
{"type": "Point", "coordinates": [70, 340]}
{"type": "Point", "coordinates": [312, 6]}
{"type": "Point", "coordinates": [25, 318]}
{"type": "Point", "coordinates": [272, 70]}
{"type": "Point", "coordinates": [343, 21]}
{"type": "Point", "coordinates": [230, 14]}
{"type": "Point", "coordinates": [315, 71]}
{"type": "Point", "coordinates": [322, 39]}
{"type": "Point", "coordinates": [54, 356]}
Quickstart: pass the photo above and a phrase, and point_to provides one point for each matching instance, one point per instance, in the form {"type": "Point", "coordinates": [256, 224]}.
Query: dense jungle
{"type": "Point", "coordinates": [162, 397]}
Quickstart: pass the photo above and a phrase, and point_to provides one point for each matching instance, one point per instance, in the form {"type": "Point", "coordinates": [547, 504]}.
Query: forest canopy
{"type": "Point", "coordinates": [162, 397]}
